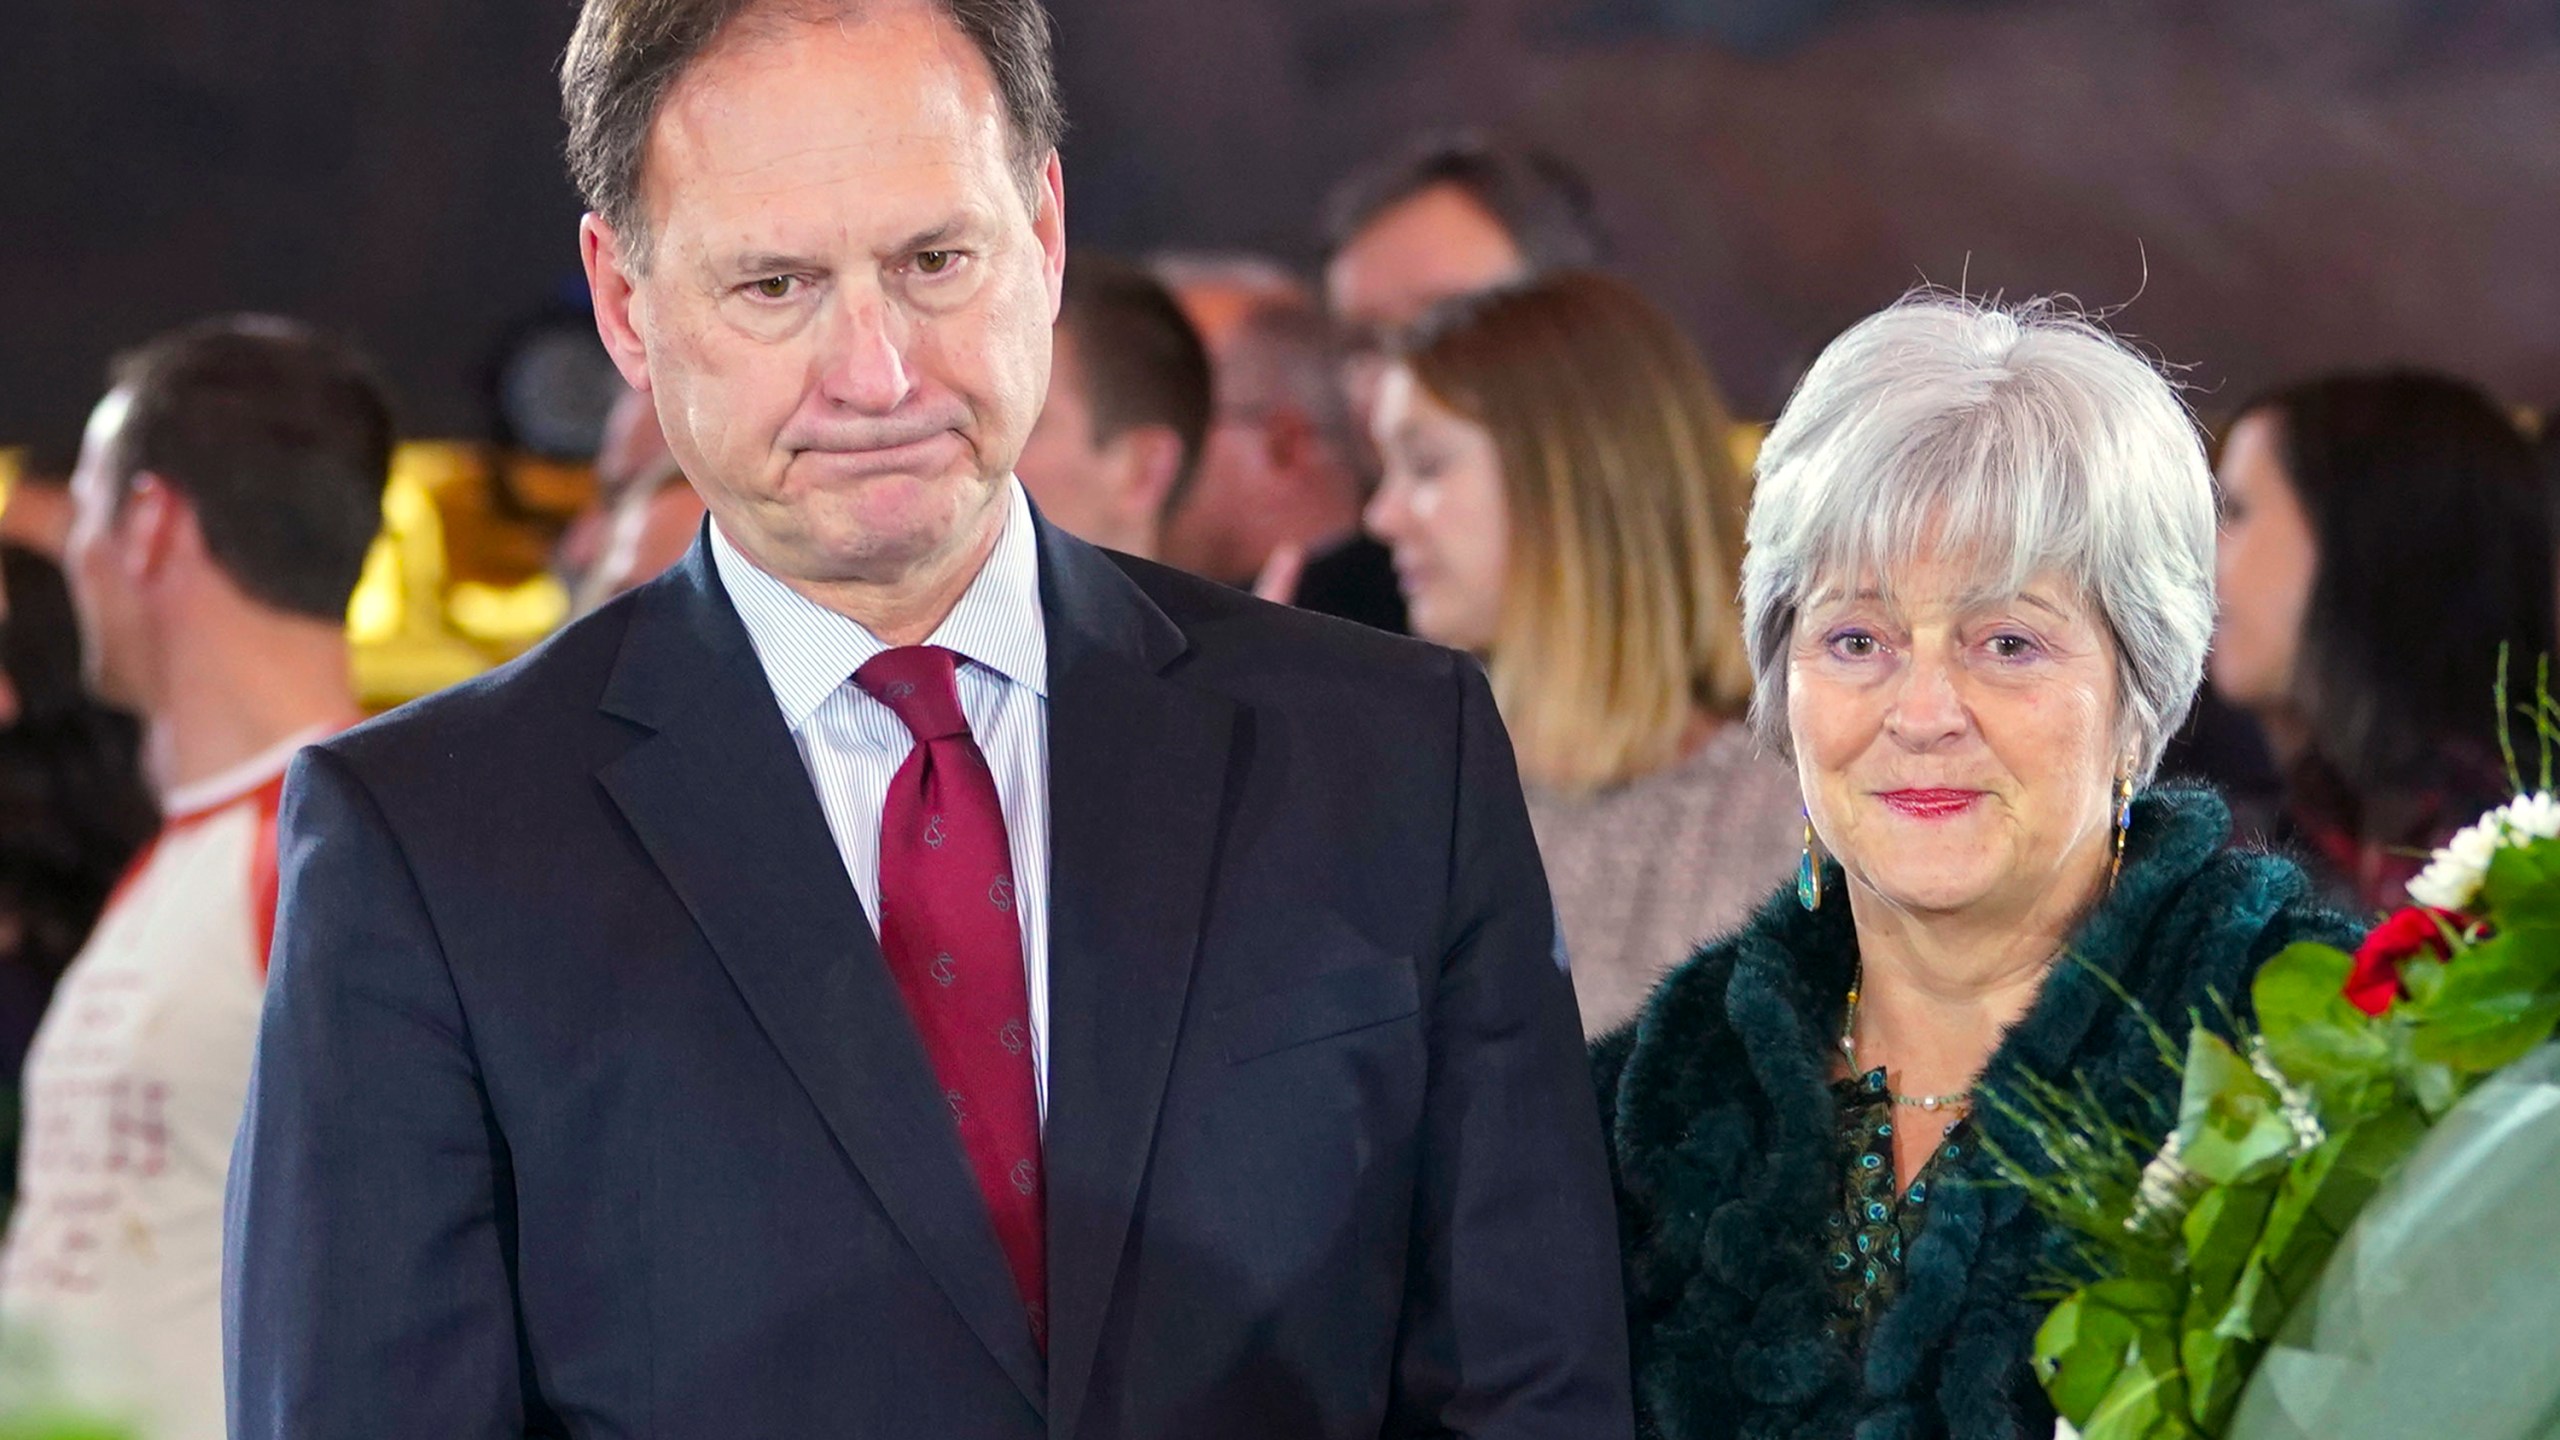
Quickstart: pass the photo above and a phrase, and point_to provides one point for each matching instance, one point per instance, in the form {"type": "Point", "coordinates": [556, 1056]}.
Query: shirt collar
{"type": "Point", "coordinates": [188, 802]}
{"type": "Point", "coordinates": [808, 650]}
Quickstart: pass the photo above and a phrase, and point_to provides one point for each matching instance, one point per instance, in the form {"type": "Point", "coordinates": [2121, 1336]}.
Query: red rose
{"type": "Point", "coordinates": [2375, 981]}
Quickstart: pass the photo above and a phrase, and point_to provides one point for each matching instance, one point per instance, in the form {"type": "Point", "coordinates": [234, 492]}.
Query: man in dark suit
{"type": "Point", "coordinates": [906, 973]}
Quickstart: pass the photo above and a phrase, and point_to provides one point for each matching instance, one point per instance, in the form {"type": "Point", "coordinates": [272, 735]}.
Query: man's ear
{"type": "Point", "coordinates": [1288, 439]}
{"type": "Point", "coordinates": [1147, 460]}
{"type": "Point", "coordinates": [610, 277]}
{"type": "Point", "coordinates": [155, 524]}
{"type": "Point", "coordinates": [1049, 223]}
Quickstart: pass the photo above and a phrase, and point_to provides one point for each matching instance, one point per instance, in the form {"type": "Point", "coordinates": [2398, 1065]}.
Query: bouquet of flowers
{"type": "Point", "coordinates": [2187, 1257]}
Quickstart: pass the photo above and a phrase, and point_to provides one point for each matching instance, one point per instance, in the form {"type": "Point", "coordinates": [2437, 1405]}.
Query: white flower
{"type": "Point", "coordinates": [2535, 816]}
{"type": "Point", "coordinates": [2167, 1190]}
{"type": "Point", "coordinates": [2472, 846]}
{"type": "Point", "coordinates": [2453, 877]}
{"type": "Point", "coordinates": [2293, 1102]}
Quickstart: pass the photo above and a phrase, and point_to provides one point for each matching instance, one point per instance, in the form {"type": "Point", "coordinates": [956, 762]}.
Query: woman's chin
{"type": "Point", "coordinates": [1934, 891]}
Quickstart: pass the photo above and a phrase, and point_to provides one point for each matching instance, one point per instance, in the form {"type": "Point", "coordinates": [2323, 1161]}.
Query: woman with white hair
{"type": "Point", "coordinates": [1977, 597]}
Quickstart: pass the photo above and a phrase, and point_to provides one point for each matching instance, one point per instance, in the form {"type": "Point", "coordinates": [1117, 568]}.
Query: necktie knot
{"type": "Point", "coordinates": [918, 684]}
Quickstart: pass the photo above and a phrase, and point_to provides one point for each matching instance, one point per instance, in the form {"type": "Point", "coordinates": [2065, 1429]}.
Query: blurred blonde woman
{"type": "Point", "coordinates": [1561, 497]}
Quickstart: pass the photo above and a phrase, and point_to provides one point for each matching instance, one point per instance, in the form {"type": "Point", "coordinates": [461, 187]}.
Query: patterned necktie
{"type": "Point", "coordinates": [948, 932]}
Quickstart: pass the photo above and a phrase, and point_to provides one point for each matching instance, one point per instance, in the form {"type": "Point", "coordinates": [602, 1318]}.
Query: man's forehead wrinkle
{"type": "Point", "coordinates": [718, 131]}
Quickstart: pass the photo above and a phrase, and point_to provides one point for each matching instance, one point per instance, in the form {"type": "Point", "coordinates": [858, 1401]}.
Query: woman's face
{"type": "Point", "coordinates": [1440, 508]}
{"type": "Point", "coordinates": [1957, 754]}
{"type": "Point", "coordinates": [2263, 567]}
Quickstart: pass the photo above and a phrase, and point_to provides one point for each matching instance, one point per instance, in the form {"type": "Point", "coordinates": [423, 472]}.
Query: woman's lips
{"type": "Point", "coordinates": [1930, 804]}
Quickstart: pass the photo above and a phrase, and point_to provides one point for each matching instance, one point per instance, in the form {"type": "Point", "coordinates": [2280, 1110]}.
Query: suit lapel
{"type": "Point", "coordinates": [720, 799]}
{"type": "Point", "coordinates": [1138, 777]}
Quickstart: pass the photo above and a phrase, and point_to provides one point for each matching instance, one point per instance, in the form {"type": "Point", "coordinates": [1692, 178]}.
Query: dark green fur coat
{"type": "Point", "coordinates": [1725, 1144]}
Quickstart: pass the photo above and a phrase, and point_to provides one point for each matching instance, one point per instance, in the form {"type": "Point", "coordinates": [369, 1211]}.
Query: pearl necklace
{"type": "Point", "coordinates": [1957, 1100]}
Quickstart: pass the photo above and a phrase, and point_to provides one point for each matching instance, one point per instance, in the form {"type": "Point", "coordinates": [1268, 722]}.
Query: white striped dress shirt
{"type": "Point", "coordinates": [852, 744]}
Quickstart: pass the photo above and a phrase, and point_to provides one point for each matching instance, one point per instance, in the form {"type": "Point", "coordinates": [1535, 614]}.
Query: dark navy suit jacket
{"type": "Point", "coordinates": [584, 1104]}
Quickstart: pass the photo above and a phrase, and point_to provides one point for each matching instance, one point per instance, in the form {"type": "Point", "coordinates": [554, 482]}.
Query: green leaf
{"type": "Point", "coordinates": [2437, 1087]}
{"type": "Point", "coordinates": [2494, 1004]}
{"type": "Point", "coordinates": [2257, 1306]}
{"type": "Point", "coordinates": [2523, 885]}
{"type": "Point", "coordinates": [2221, 1230]}
{"type": "Point", "coordinates": [2080, 1349]}
{"type": "Point", "coordinates": [2222, 1234]}
{"type": "Point", "coordinates": [2315, 1036]}
{"type": "Point", "coordinates": [2327, 1189]}
{"type": "Point", "coordinates": [2216, 1367]}
{"type": "Point", "coordinates": [2093, 1337]}
{"type": "Point", "coordinates": [2147, 1402]}
{"type": "Point", "coordinates": [2231, 1125]}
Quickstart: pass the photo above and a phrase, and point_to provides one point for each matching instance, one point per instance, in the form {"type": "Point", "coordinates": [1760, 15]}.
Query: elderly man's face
{"type": "Point", "coordinates": [844, 312]}
{"type": "Point", "coordinates": [1957, 755]}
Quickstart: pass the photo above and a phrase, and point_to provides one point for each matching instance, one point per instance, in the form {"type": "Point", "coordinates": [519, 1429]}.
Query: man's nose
{"type": "Point", "coordinates": [863, 365]}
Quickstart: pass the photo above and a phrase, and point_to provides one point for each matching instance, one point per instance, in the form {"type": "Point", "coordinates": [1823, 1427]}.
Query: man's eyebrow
{"type": "Point", "coordinates": [770, 262]}
{"type": "Point", "coordinates": [934, 238]}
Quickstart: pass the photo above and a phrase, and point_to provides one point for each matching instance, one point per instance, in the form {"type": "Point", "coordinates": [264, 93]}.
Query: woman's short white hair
{"type": "Point", "coordinates": [2021, 438]}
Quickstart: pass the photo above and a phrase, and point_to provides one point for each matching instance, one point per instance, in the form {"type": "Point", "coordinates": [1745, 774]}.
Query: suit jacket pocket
{"type": "Point", "coordinates": [1331, 1004]}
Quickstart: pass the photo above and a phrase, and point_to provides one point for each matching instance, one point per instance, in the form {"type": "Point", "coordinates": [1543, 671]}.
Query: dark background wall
{"type": "Point", "coordinates": [2274, 185]}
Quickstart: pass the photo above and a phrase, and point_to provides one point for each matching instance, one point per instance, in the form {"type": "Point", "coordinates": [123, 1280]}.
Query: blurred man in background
{"type": "Point", "coordinates": [1448, 215]}
{"type": "Point", "coordinates": [645, 514]}
{"type": "Point", "coordinates": [1280, 480]}
{"type": "Point", "coordinates": [1220, 289]}
{"type": "Point", "coordinates": [650, 527]}
{"type": "Point", "coordinates": [1119, 438]}
{"type": "Point", "coordinates": [633, 459]}
{"type": "Point", "coordinates": [228, 489]}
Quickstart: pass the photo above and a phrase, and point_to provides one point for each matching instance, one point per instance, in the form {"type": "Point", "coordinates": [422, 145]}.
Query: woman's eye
{"type": "Point", "coordinates": [1854, 645]}
{"type": "Point", "coordinates": [2013, 647]}
{"type": "Point", "coordinates": [774, 287]}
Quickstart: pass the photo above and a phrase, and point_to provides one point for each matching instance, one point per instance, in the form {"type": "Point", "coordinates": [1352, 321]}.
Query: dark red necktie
{"type": "Point", "coordinates": [949, 934]}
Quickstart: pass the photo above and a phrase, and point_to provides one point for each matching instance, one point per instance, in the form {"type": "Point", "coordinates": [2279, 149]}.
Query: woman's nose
{"type": "Point", "coordinates": [1926, 705]}
{"type": "Point", "coordinates": [1386, 515]}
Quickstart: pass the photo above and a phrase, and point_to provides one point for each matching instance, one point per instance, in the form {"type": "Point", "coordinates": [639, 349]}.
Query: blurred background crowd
{"type": "Point", "coordinates": [1454, 318]}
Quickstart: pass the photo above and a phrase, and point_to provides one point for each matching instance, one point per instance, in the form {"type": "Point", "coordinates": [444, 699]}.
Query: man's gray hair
{"type": "Point", "coordinates": [2019, 439]}
{"type": "Point", "coordinates": [625, 57]}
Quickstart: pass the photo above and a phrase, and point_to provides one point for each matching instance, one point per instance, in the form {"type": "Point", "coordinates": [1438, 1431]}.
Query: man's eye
{"type": "Point", "coordinates": [774, 287]}
{"type": "Point", "coordinates": [936, 262]}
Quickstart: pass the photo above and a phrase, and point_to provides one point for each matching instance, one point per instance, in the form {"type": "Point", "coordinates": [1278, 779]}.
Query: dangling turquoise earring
{"type": "Point", "coordinates": [1809, 871]}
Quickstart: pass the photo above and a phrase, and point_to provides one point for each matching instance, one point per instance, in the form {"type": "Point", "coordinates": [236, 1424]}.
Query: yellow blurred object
{"type": "Point", "coordinates": [1745, 441]}
{"type": "Point", "coordinates": [509, 617]}
{"type": "Point", "coordinates": [12, 460]}
{"type": "Point", "coordinates": [503, 514]}
{"type": "Point", "coordinates": [401, 644]}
